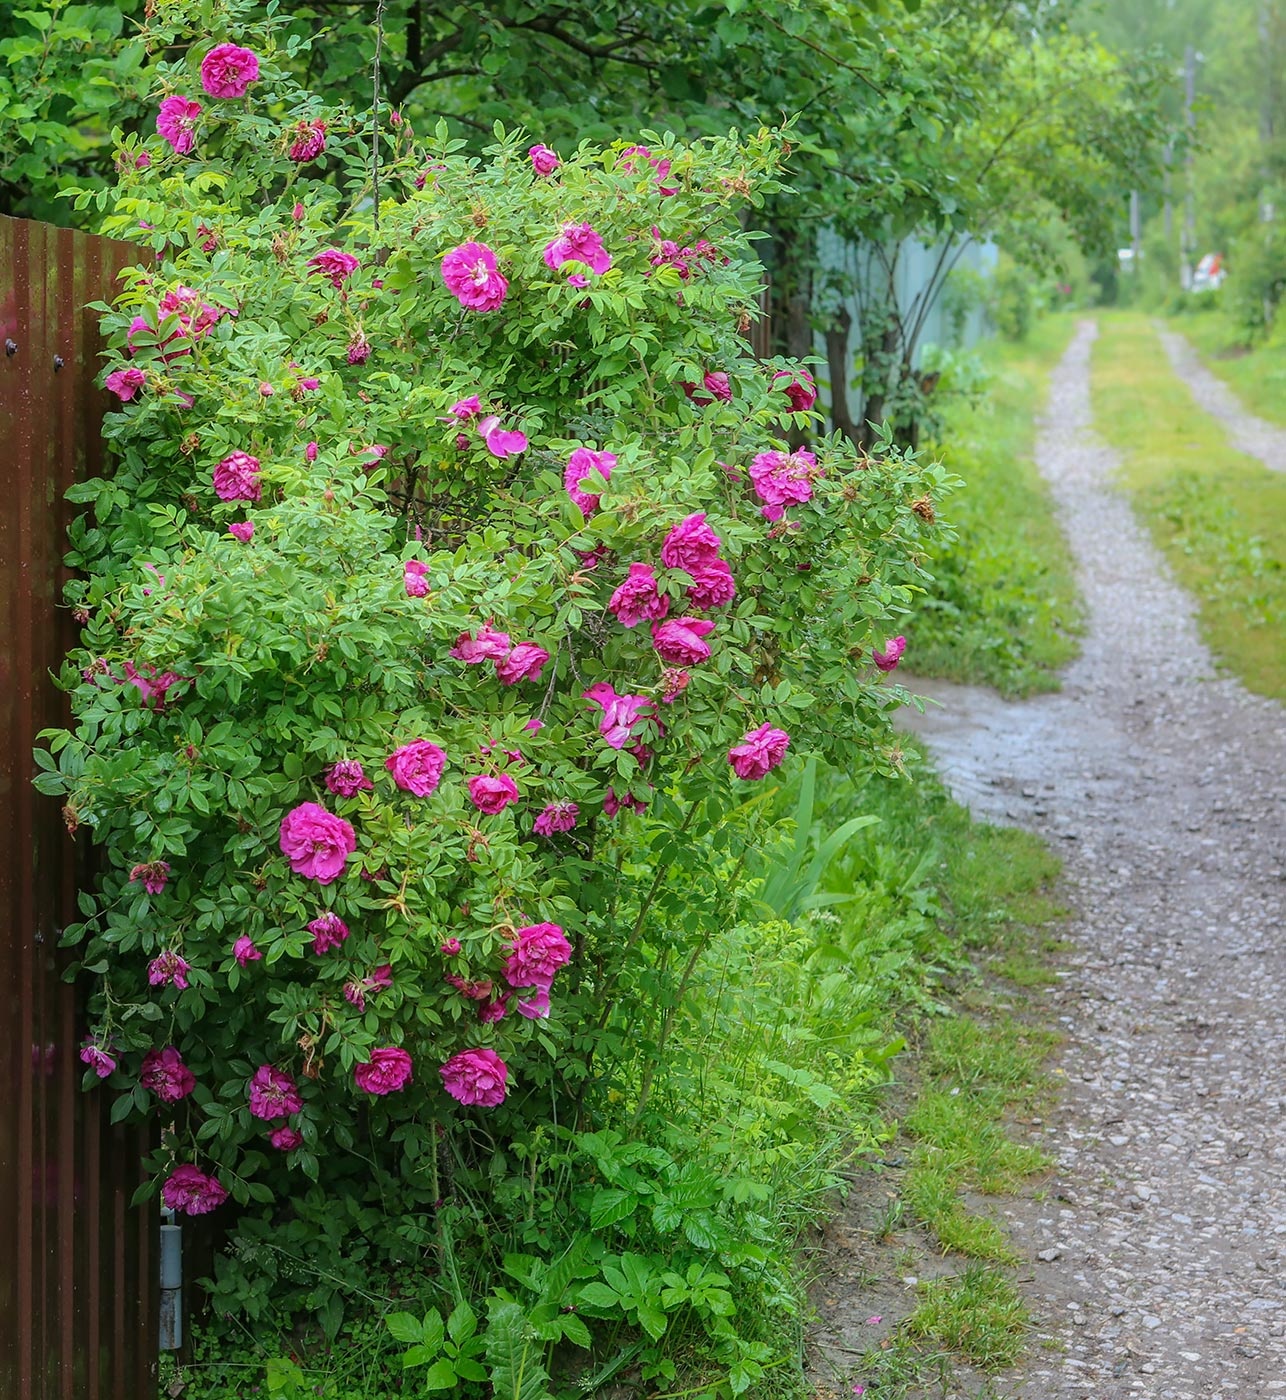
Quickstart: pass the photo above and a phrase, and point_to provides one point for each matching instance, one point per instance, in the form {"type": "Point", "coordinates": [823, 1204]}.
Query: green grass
{"type": "Point", "coordinates": [978, 1313]}
{"type": "Point", "coordinates": [1005, 610]}
{"type": "Point", "coordinates": [1219, 515]}
{"type": "Point", "coordinates": [1256, 373]}
{"type": "Point", "coordinates": [976, 1071]}
{"type": "Point", "coordinates": [977, 1316]}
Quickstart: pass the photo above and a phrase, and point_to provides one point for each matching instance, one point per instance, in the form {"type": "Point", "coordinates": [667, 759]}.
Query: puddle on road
{"type": "Point", "coordinates": [1031, 763]}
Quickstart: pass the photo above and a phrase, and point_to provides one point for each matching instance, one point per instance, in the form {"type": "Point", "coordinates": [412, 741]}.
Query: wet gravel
{"type": "Point", "coordinates": [1246, 432]}
{"type": "Point", "coordinates": [1158, 1257]}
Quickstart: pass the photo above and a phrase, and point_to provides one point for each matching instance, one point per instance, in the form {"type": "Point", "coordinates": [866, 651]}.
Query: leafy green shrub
{"type": "Point", "coordinates": [1011, 299]}
{"type": "Point", "coordinates": [363, 721]}
{"type": "Point", "coordinates": [1256, 280]}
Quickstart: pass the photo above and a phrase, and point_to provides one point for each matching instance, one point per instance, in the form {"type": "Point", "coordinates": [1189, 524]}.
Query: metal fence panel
{"type": "Point", "coordinates": [77, 1295]}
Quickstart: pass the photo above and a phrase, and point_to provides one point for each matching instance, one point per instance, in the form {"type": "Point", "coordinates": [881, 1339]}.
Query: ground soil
{"type": "Point", "coordinates": [1156, 1253]}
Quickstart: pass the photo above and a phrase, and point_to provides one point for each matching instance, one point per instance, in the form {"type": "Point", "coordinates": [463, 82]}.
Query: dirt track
{"type": "Point", "coordinates": [1159, 1257]}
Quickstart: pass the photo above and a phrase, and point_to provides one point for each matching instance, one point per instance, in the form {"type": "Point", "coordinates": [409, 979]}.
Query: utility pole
{"type": "Point", "coordinates": [1267, 105]}
{"type": "Point", "coordinates": [1189, 240]}
{"type": "Point", "coordinates": [1136, 242]}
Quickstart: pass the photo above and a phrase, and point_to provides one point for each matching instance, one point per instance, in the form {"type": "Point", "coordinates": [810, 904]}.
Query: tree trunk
{"type": "Point", "coordinates": [837, 363]}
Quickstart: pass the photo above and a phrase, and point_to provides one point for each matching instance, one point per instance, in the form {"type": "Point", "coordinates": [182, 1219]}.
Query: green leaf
{"type": "Point", "coordinates": [599, 1295]}
{"type": "Point", "coordinates": [404, 1327]}
{"type": "Point", "coordinates": [609, 1205]}
{"type": "Point", "coordinates": [515, 1361]}
{"type": "Point", "coordinates": [440, 1376]}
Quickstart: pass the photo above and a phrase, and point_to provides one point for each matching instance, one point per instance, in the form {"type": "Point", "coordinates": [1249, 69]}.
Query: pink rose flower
{"type": "Point", "coordinates": [309, 141]}
{"type": "Point", "coordinates": [359, 348]}
{"type": "Point", "coordinates": [174, 123]}
{"type": "Point", "coordinates": [151, 685]}
{"type": "Point", "coordinates": [273, 1094]}
{"type": "Point", "coordinates": [524, 663]}
{"type": "Point", "coordinates": [125, 383]}
{"type": "Point", "coordinates": [244, 950]}
{"type": "Point", "coordinates": [638, 599]}
{"type": "Point", "coordinates": [189, 1191]}
{"type": "Point", "coordinates": [286, 1138]}
{"type": "Point", "coordinates": [543, 160]}
{"type": "Point", "coordinates": [154, 875]}
{"type": "Point", "coordinates": [328, 931]}
{"type": "Point", "coordinates": [355, 992]}
{"type": "Point", "coordinates": [888, 659]}
{"type": "Point", "coordinates": [781, 479]}
{"type": "Point", "coordinates": [470, 274]}
{"type": "Point", "coordinates": [580, 464]}
{"type": "Point", "coordinates": [242, 530]}
{"type": "Point", "coordinates": [165, 1074]}
{"type": "Point", "coordinates": [536, 1006]}
{"type": "Point", "coordinates": [413, 579]}
{"type": "Point", "coordinates": [348, 777]}
{"type": "Point", "coordinates": [557, 816]}
{"type": "Point", "coordinates": [578, 243]}
{"type": "Point", "coordinates": [493, 1010]}
{"type": "Point", "coordinates": [679, 641]}
{"type": "Point", "coordinates": [535, 955]}
{"type": "Point", "coordinates": [799, 388]}
{"type": "Point", "coordinates": [492, 794]}
{"type": "Point", "coordinates": [623, 715]}
{"type": "Point", "coordinates": [168, 969]}
{"type": "Point", "coordinates": [97, 1058]}
{"type": "Point", "coordinates": [475, 1077]}
{"type": "Point", "coordinates": [450, 948]}
{"type": "Point", "coordinates": [717, 384]}
{"type": "Point", "coordinates": [759, 752]}
{"type": "Point", "coordinates": [487, 646]}
{"type": "Point", "coordinates": [236, 478]}
{"type": "Point", "coordinates": [712, 585]}
{"type": "Point", "coordinates": [675, 680]}
{"type": "Point", "coordinates": [466, 409]}
{"type": "Point", "coordinates": [310, 452]}
{"type": "Point", "coordinates": [417, 767]}
{"type": "Point", "coordinates": [613, 804]}
{"type": "Point", "coordinates": [691, 545]}
{"type": "Point", "coordinates": [316, 842]}
{"type": "Point", "coordinates": [227, 71]}
{"type": "Point", "coordinates": [339, 267]}
{"type": "Point", "coordinates": [474, 991]}
{"type": "Point", "coordinates": [388, 1070]}
{"type": "Point", "coordinates": [660, 164]}
{"type": "Point", "coordinates": [501, 442]}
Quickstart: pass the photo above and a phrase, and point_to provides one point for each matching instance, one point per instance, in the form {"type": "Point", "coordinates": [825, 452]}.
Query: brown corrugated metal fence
{"type": "Point", "coordinates": [77, 1297]}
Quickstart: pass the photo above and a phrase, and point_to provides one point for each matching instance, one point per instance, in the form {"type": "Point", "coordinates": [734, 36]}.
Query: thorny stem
{"type": "Point", "coordinates": [635, 933]}
{"type": "Point", "coordinates": [668, 1024]}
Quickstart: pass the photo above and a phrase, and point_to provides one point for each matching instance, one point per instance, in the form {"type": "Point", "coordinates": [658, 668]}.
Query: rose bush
{"type": "Point", "coordinates": [432, 824]}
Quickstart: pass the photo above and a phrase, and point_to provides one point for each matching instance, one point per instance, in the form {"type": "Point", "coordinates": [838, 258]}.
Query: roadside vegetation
{"type": "Point", "coordinates": [1004, 609]}
{"type": "Point", "coordinates": [1219, 515]}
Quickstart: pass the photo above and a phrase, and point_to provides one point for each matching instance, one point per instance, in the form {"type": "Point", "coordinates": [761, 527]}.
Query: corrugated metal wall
{"type": "Point", "coordinates": [77, 1301]}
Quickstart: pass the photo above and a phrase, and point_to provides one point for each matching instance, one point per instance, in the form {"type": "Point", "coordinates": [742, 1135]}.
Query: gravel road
{"type": "Point", "coordinates": [1246, 432]}
{"type": "Point", "coordinates": [1158, 1260]}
